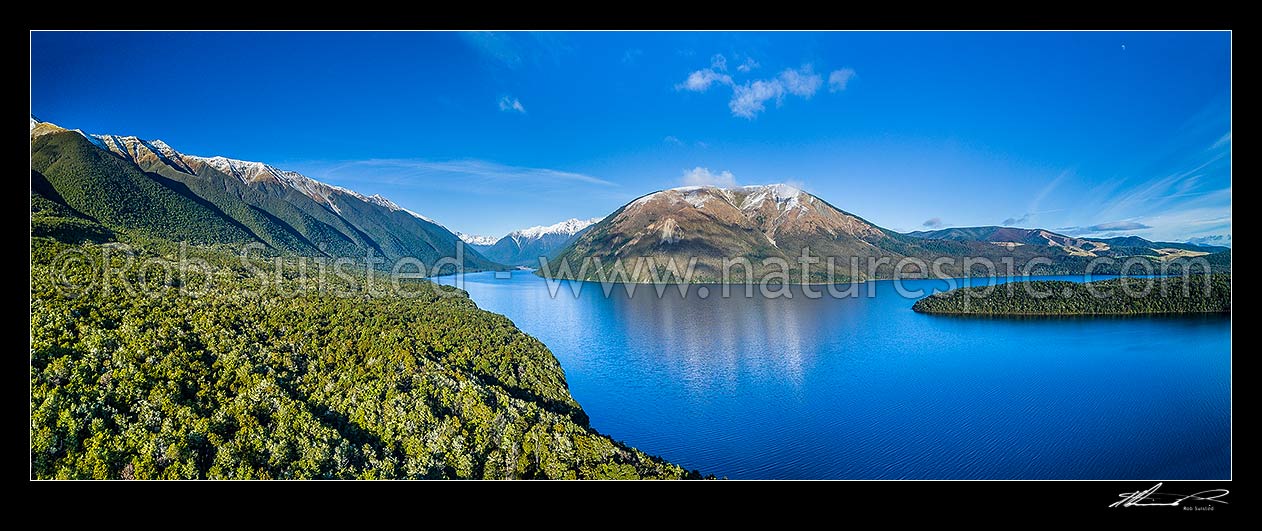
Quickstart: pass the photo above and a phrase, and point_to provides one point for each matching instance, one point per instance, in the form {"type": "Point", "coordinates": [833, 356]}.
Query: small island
{"type": "Point", "coordinates": [1118, 296]}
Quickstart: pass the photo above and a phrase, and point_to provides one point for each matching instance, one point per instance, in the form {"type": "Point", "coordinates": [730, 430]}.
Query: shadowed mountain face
{"type": "Point", "coordinates": [718, 230]}
{"type": "Point", "coordinates": [130, 184]}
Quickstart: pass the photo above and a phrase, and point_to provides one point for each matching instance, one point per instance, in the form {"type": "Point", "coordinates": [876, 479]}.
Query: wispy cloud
{"type": "Point", "coordinates": [498, 46]}
{"type": "Point", "coordinates": [1157, 192]}
{"type": "Point", "coordinates": [1114, 226]}
{"type": "Point", "coordinates": [1225, 140]}
{"type": "Point", "coordinates": [718, 63]}
{"type": "Point", "coordinates": [1178, 188]}
{"type": "Point", "coordinates": [704, 177]}
{"type": "Point", "coordinates": [682, 142]}
{"type": "Point", "coordinates": [1205, 216]}
{"type": "Point", "coordinates": [932, 223]}
{"type": "Point", "coordinates": [512, 104]}
{"type": "Point", "coordinates": [1213, 239]}
{"type": "Point", "coordinates": [468, 174]}
{"type": "Point", "coordinates": [838, 79]}
{"type": "Point", "coordinates": [1046, 190]}
{"type": "Point", "coordinates": [748, 65]}
{"type": "Point", "coordinates": [516, 49]}
{"type": "Point", "coordinates": [1181, 188]}
{"type": "Point", "coordinates": [631, 56]}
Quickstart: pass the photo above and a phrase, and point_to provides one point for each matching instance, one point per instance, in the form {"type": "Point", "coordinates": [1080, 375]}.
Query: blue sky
{"type": "Point", "coordinates": [1091, 133]}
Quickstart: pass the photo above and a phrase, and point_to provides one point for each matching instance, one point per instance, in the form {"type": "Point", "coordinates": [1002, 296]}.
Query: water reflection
{"type": "Point", "coordinates": [862, 387]}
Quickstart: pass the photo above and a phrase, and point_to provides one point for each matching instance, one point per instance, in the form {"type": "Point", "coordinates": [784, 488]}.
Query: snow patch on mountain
{"type": "Point", "coordinates": [474, 239]}
{"type": "Point", "coordinates": [568, 227]}
{"type": "Point", "coordinates": [695, 199]}
{"type": "Point", "coordinates": [787, 197]}
{"type": "Point", "coordinates": [249, 172]}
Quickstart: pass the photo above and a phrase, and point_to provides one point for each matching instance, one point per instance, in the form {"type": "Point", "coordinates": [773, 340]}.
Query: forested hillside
{"type": "Point", "coordinates": [235, 369]}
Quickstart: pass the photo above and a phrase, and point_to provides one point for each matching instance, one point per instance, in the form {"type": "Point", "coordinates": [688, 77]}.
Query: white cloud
{"type": "Point", "coordinates": [838, 79]}
{"type": "Point", "coordinates": [704, 177]}
{"type": "Point", "coordinates": [512, 104]}
{"type": "Point", "coordinates": [718, 62]}
{"type": "Point", "coordinates": [751, 97]}
{"type": "Point", "coordinates": [673, 140]}
{"type": "Point", "coordinates": [748, 99]}
{"type": "Point", "coordinates": [804, 82]}
{"type": "Point", "coordinates": [701, 80]}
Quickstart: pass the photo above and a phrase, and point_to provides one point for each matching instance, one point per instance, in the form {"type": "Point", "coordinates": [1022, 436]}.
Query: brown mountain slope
{"type": "Point", "coordinates": [767, 227]}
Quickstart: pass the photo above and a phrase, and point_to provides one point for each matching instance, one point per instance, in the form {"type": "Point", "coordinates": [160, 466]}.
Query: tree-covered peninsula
{"type": "Point", "coordinates": [1119, 296]}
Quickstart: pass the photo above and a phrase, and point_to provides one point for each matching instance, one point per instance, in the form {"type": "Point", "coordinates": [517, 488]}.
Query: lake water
{"type": "Point", "coordinates": [865, 388]}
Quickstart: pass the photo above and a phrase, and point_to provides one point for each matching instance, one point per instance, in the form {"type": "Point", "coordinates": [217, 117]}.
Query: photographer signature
{"type": "Point", "coordinates": [1151, 497]}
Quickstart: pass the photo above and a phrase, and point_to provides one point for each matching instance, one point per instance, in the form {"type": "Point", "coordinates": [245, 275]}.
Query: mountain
{"type": "Point", "coordinates": [52, 217]}
{"type": "Point", "coordinates": [1014, 235]}
{"type": "Point", "coordinates": [119, 195]}
{"type": "Point", "coordinates": [148, 187]}
{"type": "Point", "coordinates": [524, 247]}
{"type": "Point", "coordinates": [1137, 242]}
{"type": "Point", "coordinates": [476, 241]}
{"type": "Point", "coordinates": [770, 226]}
{"type": "Point", "coordinates": [1120, 246]}
{"type": "Point", "coordinates": [750, 222]}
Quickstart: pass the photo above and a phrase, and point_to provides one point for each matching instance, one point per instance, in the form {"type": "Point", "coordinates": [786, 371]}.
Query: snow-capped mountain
{"type": "Point", "coordinates": [568, 227]}
{"type": "Point", "coordinates": [283, 209]}
{"type": "Point", "coordinates": [709, 223]}
{"type": "Point", "coordinates": [249, 172]}
{"type": "Point", "coordinates": [474, 239]}
{"type": "Point", "coordinates": [526, 246]}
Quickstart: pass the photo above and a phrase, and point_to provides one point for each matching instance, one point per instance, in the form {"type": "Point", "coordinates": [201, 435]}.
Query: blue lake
{"type": "Point", "coordinates": [865, 388]}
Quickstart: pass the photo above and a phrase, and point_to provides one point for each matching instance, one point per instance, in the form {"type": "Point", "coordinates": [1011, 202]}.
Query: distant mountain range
{"type": "Point", "coordinates": [1121, 246]}
{"type": "Point", "coordinates": [779, 221]}
{"type": "Point", "coordinates": [148, 188]}
{"type": "Point", "coordinates": [90, 187]}
{"type": "Point", "coordinates": [526, 246]}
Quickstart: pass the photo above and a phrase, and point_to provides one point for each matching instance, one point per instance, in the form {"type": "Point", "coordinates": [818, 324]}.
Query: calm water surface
{"type": "Point", "coordinates": [863, 388]}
